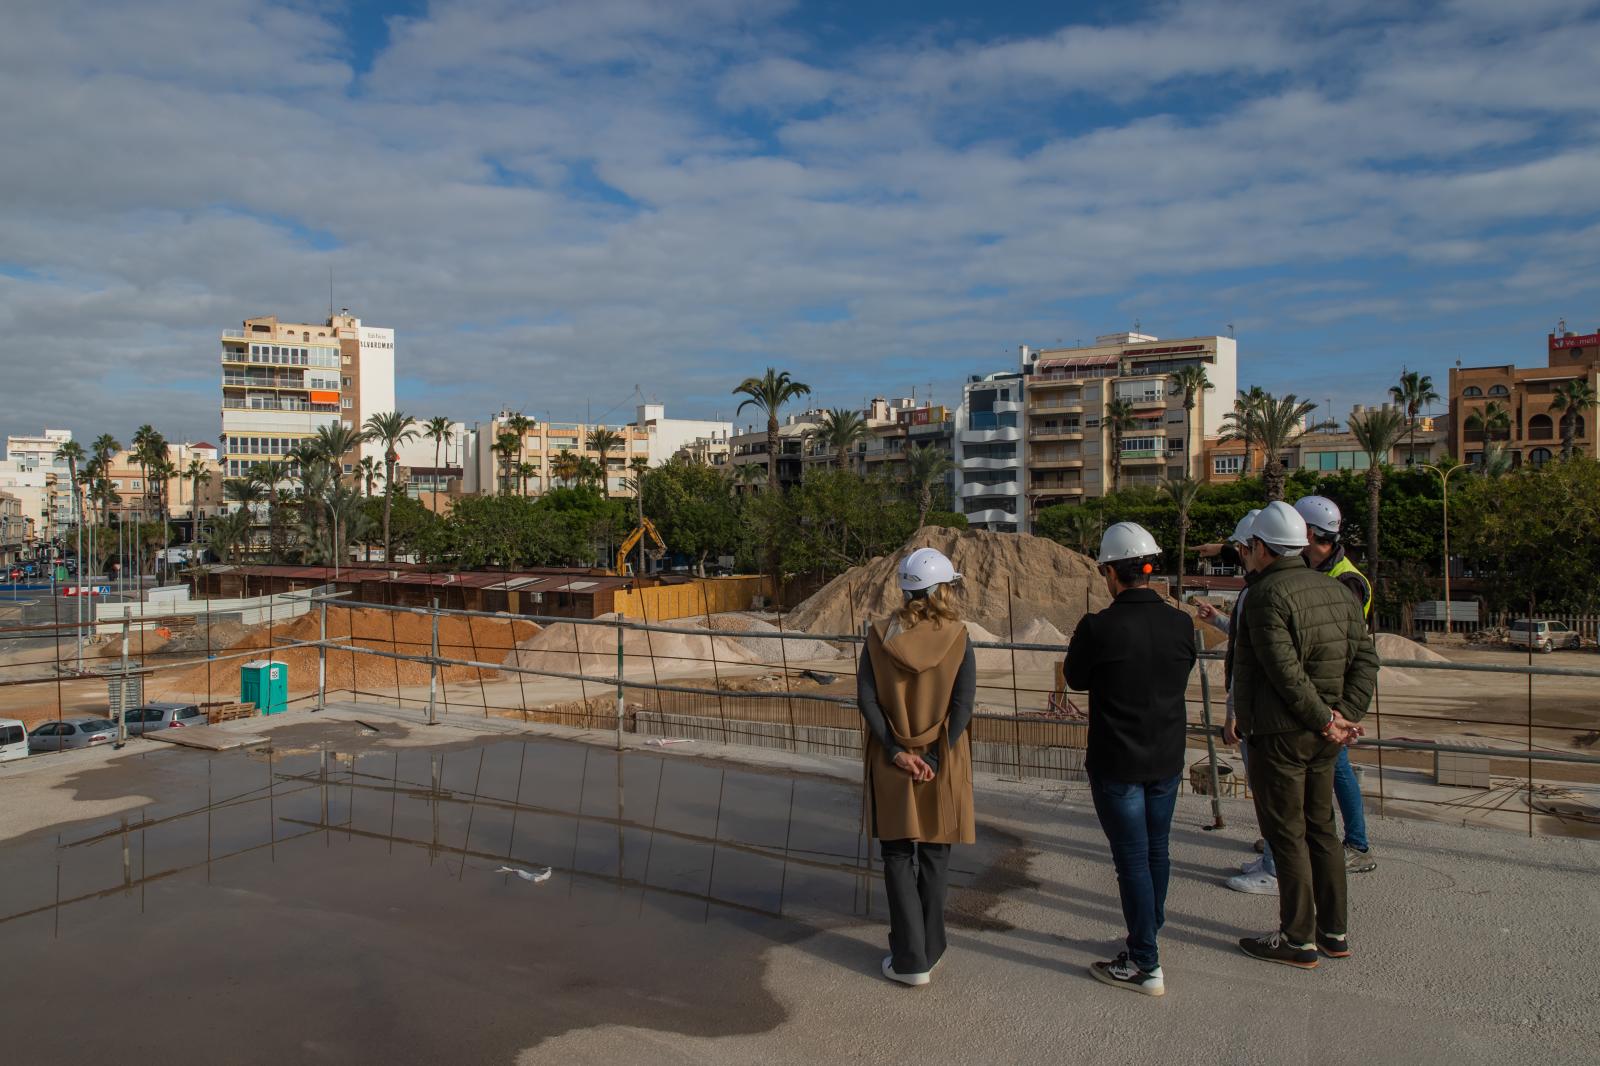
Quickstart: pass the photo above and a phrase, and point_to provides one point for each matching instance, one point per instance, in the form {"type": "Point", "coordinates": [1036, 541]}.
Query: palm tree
{"type": "Point", "coordinates": [338, 440]}
{"type": "Point", "coordinates": [368, 471]}
{"type": "Point", "coordinates": [268, 475]}
{"type": "Point", "coordinates": [526, 470]}
{"type": "Point", "coordinates": [590, 472]}
{"type": "Point", "coordinates": [438, 430]}
{"type": "Point", "coordinates": [1414, 392]}
{"type": "Point", "coordinates": [229, 535]}
{"type": "Point", "coordinates": [391, 429]}
{"type": "Point", "coordinates": [197, 474]}
{"type": "Point", "coordinates": [840, 428]}
{"type": "Point", "coordinates": [1241, 424]}
{"type": "Point", "coordinates": [1118, 421]}
{"type": "Point", "coordinates": [605, 442]}
{"type": "Point", "coordinates": [247, 492]}
{"type": "Point", "coordinates": [1377, 430]}
{"type": "Point", "coordinates": [925, 466]}
{"type": "Point", "coordinates": [566, 466]}
{"type": "Point", "coordinates": [507, 446]}
{"type": "Point", "coordinates": [768, 394]}
{"type": "Point", "coordinates": [1572, 399]}
{"type": "Point", "coordinates": [519, 424]}
{"type": "Point", "coordinates": [1496, 461]}
{"type": "Point", "coordinates": [1083, 531]}
{"type": "Point", "coordinates": [72, 454]}
{"type": "Point", "coordinates": [1493, 417]}
{"type": "Point", "coordinates": [1278, 424]}
{"type": "Point", "coordinates": [144, 452]}
{"type": "Point", "coordinates": [1181, 491]}
{"type": "Point", "coordinates": [1190, 381]}
{"type": "Point", "coordinates": [748, 475]}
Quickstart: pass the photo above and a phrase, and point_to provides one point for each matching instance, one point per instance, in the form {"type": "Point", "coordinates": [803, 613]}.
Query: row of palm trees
{"type": "Point", "coordinates": [566, 466]}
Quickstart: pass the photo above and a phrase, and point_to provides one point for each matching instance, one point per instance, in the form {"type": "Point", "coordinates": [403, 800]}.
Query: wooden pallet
{"type": "Point", "coordinates": [228, 712]}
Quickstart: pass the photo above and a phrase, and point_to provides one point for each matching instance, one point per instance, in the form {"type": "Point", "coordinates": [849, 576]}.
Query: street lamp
{"type": "Point", "coordinates": [1444, 473]}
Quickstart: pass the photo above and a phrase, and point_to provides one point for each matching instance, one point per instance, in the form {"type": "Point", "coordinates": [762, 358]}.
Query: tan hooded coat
{"type": "Point", "coordinates": [915, 670]}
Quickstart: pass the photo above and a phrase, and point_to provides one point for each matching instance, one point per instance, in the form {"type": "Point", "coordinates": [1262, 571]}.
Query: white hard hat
{"type": "Point", "coordinates": [925, 568]}
{"type": "Point", "coordinates": [1320, 513]}
{"type": "Point", "coordinates": [1241, 532]}
{"type": "Point", "coordinates": [1126, 540]}
{"type": "Point", "coordinates": [1279, 526]}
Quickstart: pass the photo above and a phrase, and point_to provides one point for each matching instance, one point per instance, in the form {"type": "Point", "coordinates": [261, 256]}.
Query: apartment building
{"type": "Point", "coordinates": [282, 381]}
{"type": "Point", "coordinates": [1533, 430]}
{"type": "Point", "coordinates": [749, 447]}
{"type": "Point", "coordinates": [542, 446]}
{"type": "Point", "coordinates": [713, 450]}
{"type": "Point", "coordinates": [138, 501]}
{"type": "Point", "coordinates": [17, 536]}
{"type": "Point", "coordinates": [1037, 436]}
{"type": "Point", "coordinates": [1324, 451]}
{"type": "Point", "coordinates": [426, 466]}
{"type": "Point", "coordinates": [40, 481]}
{"type": "Point", "coordinates": [667, 436]}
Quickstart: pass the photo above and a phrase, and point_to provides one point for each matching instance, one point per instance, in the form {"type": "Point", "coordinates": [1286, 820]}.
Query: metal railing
{"type": "Point", "coordinates": [643, 677]}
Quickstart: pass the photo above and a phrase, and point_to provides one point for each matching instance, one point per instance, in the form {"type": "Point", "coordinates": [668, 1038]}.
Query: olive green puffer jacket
{"type": "Point", "coordinates": [1301, 649]}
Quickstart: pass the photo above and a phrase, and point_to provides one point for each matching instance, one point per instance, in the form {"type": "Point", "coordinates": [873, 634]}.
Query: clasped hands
{"type": "Point", "coordinates": [915, 765]}
{"type": "Point", "coordinates": [1341, 730]}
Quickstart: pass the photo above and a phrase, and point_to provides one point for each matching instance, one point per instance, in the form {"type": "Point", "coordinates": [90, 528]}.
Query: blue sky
{"type": "Point", "coordinates": [554, 203]}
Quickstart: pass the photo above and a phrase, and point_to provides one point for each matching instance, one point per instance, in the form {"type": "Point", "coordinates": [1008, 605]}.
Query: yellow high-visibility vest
{"type": "Point", "coordinates": [1345, 566]}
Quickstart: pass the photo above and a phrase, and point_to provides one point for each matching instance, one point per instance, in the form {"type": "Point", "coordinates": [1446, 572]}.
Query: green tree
{"type": "Point", "coordinates": [1280, 422]}
{"type": "Point", "coordinates": [368, 472]}
{"type": "Point", "coordinates": [198, 474]}
{"type": "Point", "coordinates": [391, 429]}
{"type": "Point", "coordinates": [841, 429]}
{"type": "Point", "coordinates": [1182, 492]}
{"type": "Point", "coordinates": [1190, 382]}
{"type": "Point", "coordinates": [229, 535]}
{"type": "Point", "coordinates": [695, 509]}
{"type": "Point", "coordinates": [768, 394]}
{"type": "Point", "coordinates": [268, 475]}
{"type": "Point", "coordinates": [605, 441]}
{"type": "Point", "coordinates": [72, 454]}
{"type": "Point", "coordinates": [1078, 526]}
{"type": "Point", "coordinates": [926, 466]}
{"type": "Point", "coordinates": [1572, 399]}
{"type": "Point", "coordinates": [1377, 430]}
{"type": "Point", "coordinates": [1502, 527]}
{"type": "Point", "coordinates": [1414, 392]}
{"type": "Point", "coordinates": [1242, 424]}
{"type": "Point", "coordinates": [338, 440]}
{"type": "Point", "coordinates": [1493, 417]}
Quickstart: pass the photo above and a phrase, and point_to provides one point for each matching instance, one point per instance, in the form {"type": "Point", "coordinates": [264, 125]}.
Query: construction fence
{"type": "Point", "coordinates": [1507, 744]}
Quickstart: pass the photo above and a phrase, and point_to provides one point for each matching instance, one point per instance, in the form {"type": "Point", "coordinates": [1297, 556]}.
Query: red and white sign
{"type": "Point", "coordinates": [1585, 341]}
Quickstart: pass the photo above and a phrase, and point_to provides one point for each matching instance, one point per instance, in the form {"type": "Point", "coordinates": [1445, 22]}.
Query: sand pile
{"type": "Point", "coordinates": [480, 639]}
{"type": "Point", "coordinates": [771, 650]}
{"type": "Point", "coordinates": [587, 649]}
{"type": "Point", "coordinates": [1394, 646]}
{"type": "Point", "coordinates": [1042, 579]}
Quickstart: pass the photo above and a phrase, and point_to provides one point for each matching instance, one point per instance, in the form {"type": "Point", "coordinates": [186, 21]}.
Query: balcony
{"type": "Point", "coordinates": [1144, 399]}
{"type": "Point", "coordinates": [1049, 407]}
{"type": "Point", "coordinates": [229, 404]}
{"type": "Point", "coordinates": [1056, 433]}
{"type": "Point", "coordinates": [1144, 455]}
{"type": "Point", "coordinates": [987, 436]}
{"type": "Point", "coordinates": [990, 516]}
{"type": "Point", "coordinates": [990, 463]}
{"type": "Point", "coordinates": [1055, 462]}
{"type": "Point", "coordinates": [284, 381]}
{"type": "Point", "coordinates": [975, 488]}
{"type": "Point", "coordinates": [1063, 488]}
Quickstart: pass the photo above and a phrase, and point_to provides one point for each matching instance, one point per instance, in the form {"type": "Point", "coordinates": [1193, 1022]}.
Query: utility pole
{"type": "Point", "coordinates": [1444, 482]}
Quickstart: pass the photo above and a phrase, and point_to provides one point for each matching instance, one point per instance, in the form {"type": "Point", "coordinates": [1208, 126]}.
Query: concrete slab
{"type": "Point", "coordinates": [207, 738]}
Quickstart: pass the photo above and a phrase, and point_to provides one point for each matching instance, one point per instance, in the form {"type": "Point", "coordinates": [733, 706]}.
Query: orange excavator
{"type": "Point", "coordinates": [646, 529]}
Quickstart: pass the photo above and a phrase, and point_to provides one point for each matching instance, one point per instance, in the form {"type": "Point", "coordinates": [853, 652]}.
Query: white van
{"type": "Point", "coordinates": [13, 740]}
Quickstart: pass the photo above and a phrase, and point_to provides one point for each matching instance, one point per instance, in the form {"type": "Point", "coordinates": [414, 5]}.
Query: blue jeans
{"type": "Point", "coordinates": [1352, 810]}
{"type": "Point", "coordinates": [1137, 819]}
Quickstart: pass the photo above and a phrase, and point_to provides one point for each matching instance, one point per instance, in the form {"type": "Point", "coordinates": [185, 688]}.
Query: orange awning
{"type": "Point", "coordinates": [324, 397]}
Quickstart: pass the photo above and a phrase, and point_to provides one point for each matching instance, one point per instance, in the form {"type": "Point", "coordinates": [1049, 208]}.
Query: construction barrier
{"type": "Point", "coordinates": [697, 598]}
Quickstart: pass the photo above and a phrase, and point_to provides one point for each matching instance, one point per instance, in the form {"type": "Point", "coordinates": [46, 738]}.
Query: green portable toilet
{"type": "Point", "coordinates": [265, 683]}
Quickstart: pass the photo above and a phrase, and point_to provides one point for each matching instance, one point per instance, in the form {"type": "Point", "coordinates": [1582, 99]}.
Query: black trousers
{"type": "Point", "coordinates": [1291, 775]}
{"type": "Point", "coordinates": [916, 876]}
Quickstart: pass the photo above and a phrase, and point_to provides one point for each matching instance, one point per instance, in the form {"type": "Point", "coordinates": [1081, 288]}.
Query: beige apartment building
{"type": "Point", "coordinates": [1526, 395]}
{"type": "Point", "coordinates": [135, 499]}
{"type": "Point", "coordinates": [542, 446]}
{"type": "Point", "coordinates": [17, 535]}
{"type": "Point", "coordinates": [282, 381]}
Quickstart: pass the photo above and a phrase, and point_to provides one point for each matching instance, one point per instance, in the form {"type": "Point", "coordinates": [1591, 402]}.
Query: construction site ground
{"type": "Point", "coordinates": [341, 899]}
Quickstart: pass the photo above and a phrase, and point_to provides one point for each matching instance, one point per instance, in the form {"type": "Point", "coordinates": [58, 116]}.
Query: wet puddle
{"type": "Point", "coordinates": [351, 906]}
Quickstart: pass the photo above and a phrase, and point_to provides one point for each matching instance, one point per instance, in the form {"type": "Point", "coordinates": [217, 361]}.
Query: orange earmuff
{"type": "Point", "coordinates": [1147, 568]}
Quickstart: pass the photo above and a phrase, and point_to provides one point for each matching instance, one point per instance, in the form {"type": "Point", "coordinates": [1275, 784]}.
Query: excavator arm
{"type": "Point", "coordinates": [646, 528]}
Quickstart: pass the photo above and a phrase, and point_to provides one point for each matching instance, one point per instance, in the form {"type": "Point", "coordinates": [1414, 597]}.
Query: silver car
{"type": "Point", "coordinates": [81, 732]}
{"type": "Point", "coordinates": [153, 716]}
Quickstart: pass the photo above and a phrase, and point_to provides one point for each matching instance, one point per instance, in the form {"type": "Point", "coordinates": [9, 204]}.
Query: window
{"type": "Point", "coordinates": [346, 381]}
{"type": "Point", "coordinates": [1228, 464]}
{"type": "Point", "coordinates": [1541, 427]}
{"type": "Point", "coordinates": [1499, 390]}
{"type": "Point", "coordinates": [344, 402]}
{"type": "Point", "coordinates": [349, 468]}
{"type": "Point", "coordinates": [1471, 391]}
{"type": "Point", "coordinates": [1538, 457]}
{"type": "Point", "coordinates": [1174, 444]}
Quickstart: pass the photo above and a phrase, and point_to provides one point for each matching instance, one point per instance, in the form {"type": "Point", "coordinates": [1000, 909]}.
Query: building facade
{"type": "Point", "coordinates": [668, 436]}
{"type": "Point", "coordinates": [990, 447]}
{"type": "Point", "coordinates": [41, 482]}
{"type": "Point", "coordinates": [1324, 451]}
{"type": "Point", "coordinates": [139, 501]}
{"type": "Point", "coordinates": [17, 536]}
{"type": "Point", "coordinates": [541, 451]}
{"type": "Point", "coordinates": [282, 381]}
{"type": "Point", "coordinates": [1532, 429]}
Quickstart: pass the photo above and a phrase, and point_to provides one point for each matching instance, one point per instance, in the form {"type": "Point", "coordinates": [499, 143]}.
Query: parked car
{"type": "Point", "coordinates": [1543, 636]}
{"type": "Point", "coordinates": [13, 740]}
{"type": "Point", "coordinates": [80, 732]}
{"type": "Point", "coordinates": [152, 716]}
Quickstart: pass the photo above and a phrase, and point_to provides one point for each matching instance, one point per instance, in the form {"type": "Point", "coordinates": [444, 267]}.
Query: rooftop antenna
{"type": "Point", "coordinates": [330, 292]}
{"type": "Point", "coordinates": [1230, 330]}
{"type": "Point", "coordinates": [1136, 325]}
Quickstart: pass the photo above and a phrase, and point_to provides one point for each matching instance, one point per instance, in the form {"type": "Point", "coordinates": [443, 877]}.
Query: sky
{"type": "Point", "coordinates": [556, 204]}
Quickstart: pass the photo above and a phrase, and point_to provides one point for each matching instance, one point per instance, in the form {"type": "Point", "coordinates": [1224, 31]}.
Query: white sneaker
{"type": "Point", "coordinates": [1258, 884]}
{"type": "Point", "coordinates": [1121, 972]}
{"type": "Point", "coordinates": [915, 980]}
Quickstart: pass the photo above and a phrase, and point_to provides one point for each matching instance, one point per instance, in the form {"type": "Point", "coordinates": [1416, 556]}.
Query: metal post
{"type": "Point", "coordinates": [620, 705]}
{"type": "Point", "coordinates": [433, 667]}
{"type": "Point", "coordinates": [322, 659]}
{"type": "Point", "coordinates": [1211, 740]}
{"type": "Point", "coordinates": [122, 692]}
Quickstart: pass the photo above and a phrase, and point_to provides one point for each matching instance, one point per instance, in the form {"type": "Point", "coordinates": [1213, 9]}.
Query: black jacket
{"type": "Point", "coordinates": [1134, 660]}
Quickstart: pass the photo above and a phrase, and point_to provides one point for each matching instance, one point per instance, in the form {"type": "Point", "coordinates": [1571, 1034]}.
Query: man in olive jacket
{"type": "Point", "coordinates": [1304, 670]}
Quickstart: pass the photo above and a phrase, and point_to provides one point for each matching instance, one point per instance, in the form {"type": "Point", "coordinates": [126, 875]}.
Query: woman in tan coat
{"type": "Point", "coordinates": [915, 689]}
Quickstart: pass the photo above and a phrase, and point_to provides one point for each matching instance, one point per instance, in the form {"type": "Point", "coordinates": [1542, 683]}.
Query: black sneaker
{"type": "Point", "coordinates": [1275, 947]}
{"type": "Point", "coordinates": [1335, 947]}
{"type": "Point", "coordinates": [1122, 973]}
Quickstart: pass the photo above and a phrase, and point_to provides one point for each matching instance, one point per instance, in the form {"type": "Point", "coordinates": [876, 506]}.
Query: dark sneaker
{"type": "Point", "coordinates": [1335, 947]}
{"type": "Point", "coordinates": [1122, 973]}
{"type": "Point", "coordinates": [1357, 861]}
{"type": "Point", "coordinates": [1275, 947]}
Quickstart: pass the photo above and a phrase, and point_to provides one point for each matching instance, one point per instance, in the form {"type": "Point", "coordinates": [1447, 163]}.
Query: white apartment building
{"type": "Point", "coordinates": [668, 435]}
{"type": "Point", "coordinates": [282, 381]}
{"type": "Point", "coordinates": [41, 449]}
{"type": "Point", "coordinates": [989, 447]}
{"type": "Point", "coordinates": [41, 483]}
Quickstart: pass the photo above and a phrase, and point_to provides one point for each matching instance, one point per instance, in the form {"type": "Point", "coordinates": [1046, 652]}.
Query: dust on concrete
{"type": "Point", "coordinates": [974, 905]}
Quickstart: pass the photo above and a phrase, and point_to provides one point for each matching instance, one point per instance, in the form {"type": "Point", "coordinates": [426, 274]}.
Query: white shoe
{"type": "Point", "coordinates": [1257, 865]}
{"type": "Point", "coordinates": [915, 980]}
{"type": "Point", "coordinates": [1122, 973]}
{"type": "Point", "coordinates": [1257, 884]}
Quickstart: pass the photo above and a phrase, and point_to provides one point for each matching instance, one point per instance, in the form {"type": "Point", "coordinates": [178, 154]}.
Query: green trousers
{"type": "Point", "coordinates": [1291, 775]}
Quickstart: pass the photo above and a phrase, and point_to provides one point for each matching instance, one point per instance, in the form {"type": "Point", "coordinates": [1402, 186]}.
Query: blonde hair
{"type": "Point", "coordinates": [934, 607]}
